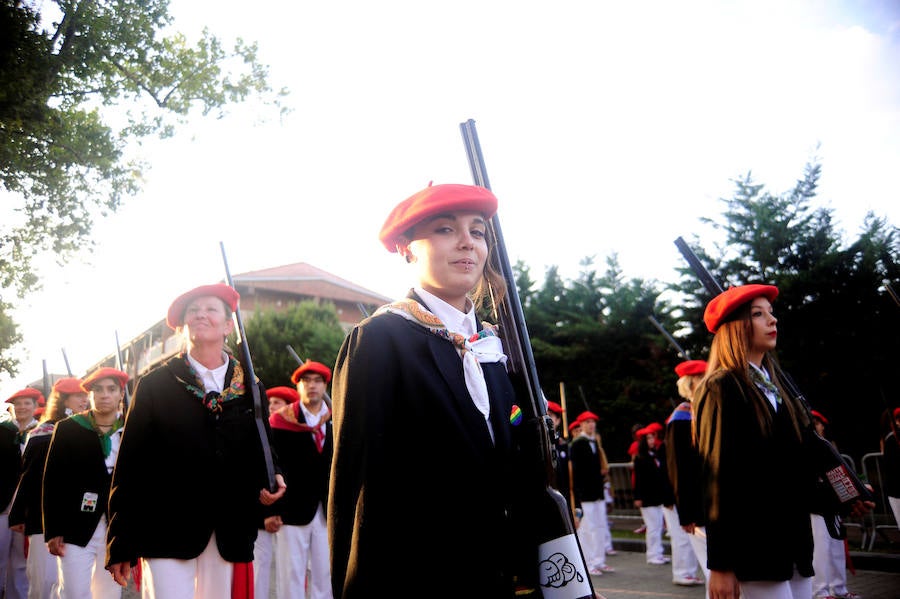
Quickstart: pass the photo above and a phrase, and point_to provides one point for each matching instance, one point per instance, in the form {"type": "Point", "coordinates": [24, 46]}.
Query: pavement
{"type": "Point", "coordinates": [634, 578]}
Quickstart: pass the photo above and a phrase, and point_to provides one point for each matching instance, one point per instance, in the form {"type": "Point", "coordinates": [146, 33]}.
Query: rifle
{"type": "Point", "coordinates": [681, 352]}
{"type": "Point", "coordinates": [300, 362]}
{"type": "Point", "coordinates": [47, 386]}
{"type": "Point", "coordinates": [126, 400]}
{"type": "Point", "coordinates": [565, 431]}
{"type": "Point", "coordinates": [66, 360]}
{"type": "Point", "coordinates": [252, 384]}
{"type": "Point", "coordinates": [546, 507]}
{"type": "Point", "coordinates": [838, 487]}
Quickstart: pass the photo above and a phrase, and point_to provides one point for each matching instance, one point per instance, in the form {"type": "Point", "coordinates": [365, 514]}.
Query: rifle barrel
{"type": "Point", "coordinates": [252, 384]}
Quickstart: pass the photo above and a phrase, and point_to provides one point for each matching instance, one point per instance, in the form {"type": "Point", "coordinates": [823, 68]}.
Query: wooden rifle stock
{"type": "Point", "coordinates": [250, 377]}
{"type": "Point", "coordinates": [842, 484]}
{"type": "Point", "coordinates": [548, 510]}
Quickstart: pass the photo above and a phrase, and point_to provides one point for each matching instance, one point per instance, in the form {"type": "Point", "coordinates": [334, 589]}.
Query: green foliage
{"type": "Point", "coordinates": [69, 71]}
{"type": "Point", "coordinates": [312, 329]}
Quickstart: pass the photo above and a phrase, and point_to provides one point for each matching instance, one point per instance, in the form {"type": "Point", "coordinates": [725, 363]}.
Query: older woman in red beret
{"type": "Point", "coordinates": [191, 475]}
{"type": "Point", "coordinates": [426, 362]}
{"type": "Point", "coordinates": [748, 435]}
{"type": "Point", "coordinates": [66, 398]}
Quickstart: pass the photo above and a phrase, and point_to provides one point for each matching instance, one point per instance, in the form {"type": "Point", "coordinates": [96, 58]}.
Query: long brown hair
{"type": "Point", "coordinates": [729, 350]}
{"type": "Point", "coordinates": [55, 410]}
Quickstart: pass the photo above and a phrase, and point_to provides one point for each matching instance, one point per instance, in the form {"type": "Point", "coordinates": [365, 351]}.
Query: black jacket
{"type": "Point", "coordinates": [26, 507]}
{"type": "Point", "coordinates": [75, 468]}
{"type": "Point", "coordinates": [414, 469]}
{"type": "Point", "coordinates": [305, 471]}
{"type": "Point", "coordinates": [757, 486]}
{"type": "Point", "coordinates": [184, 472]}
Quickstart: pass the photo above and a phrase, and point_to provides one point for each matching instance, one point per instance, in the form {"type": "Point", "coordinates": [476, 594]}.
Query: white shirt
{"type": "Point", "coordinates": [212, 379]}
{"type": "Point", "coordinates": [773, 399]}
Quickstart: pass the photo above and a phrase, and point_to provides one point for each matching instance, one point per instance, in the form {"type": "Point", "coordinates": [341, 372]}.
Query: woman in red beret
{"type": "Point", "coordinates": [66, 398]}
{"type": "Point", "coordinates": [683, 466]}
{"type": "Point", "coordinates": [748, 435]}
{"type": "Point", "coordinates": [75, 489]}
{"type": "Point", "coordinates": [426, 362]}
{"type": "Point", "coordinates": [191, 474]}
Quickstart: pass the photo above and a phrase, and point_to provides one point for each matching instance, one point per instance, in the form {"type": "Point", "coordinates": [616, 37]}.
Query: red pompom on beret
{"type": "Point", "coordinates": [310, 366]}
{"type": "Point", "coordinates": [68, 384]}
{"type": "Point", "coordinates": [288, 394]}
{"type": "Point", "coordinates": [587, 416]}
{"type": "Point", "coordinates": [718, 309]}
{"type": "Point", "coordinates": [29, 392]}
{"type": "Point", "coordinates": [104, 373]}
{"type": "Point", "coordinates": [818, 415]}
{"type": "Point", "coordinates": [431, 201]}
{"type": "Point", "coordinates": [554, 407]}
{"type": "Point", "coordinates": [691, 368]}
{"type": "Point", "coordinates": [226, 293]}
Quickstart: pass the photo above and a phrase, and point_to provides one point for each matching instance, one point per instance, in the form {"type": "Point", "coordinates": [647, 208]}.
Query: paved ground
{"type": "Point", "coordinates": [634, 578]}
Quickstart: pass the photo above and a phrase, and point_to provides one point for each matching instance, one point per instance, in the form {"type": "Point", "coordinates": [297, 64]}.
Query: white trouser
{"type": "Point", "coordinates": [207, 576]}
{"type": "Point", "coordinates": [698, 543]}
{"type": "Point", "coordinates": [81, 569]}
{"type": "Point", "coordinates": [895, 507]}
{"type": "Point", "coordinates": [592, 533]}
{"type": "Point", "coordinates": [798, 587]}
{"type": "Point", "coordinates": [653, 520]}
{"type": "Point", "coordinates": [295, 548]}
{"type": "Point", "coordinates": [13, 577]}
{"type": "Point", "coordinates": [829, 561]}
{"type": "Point", "coordinates": [41, 568]}
{"type": "Point", "coordinates": [263, 559]}
{"type": "Point", "coordinates": [684, 562]}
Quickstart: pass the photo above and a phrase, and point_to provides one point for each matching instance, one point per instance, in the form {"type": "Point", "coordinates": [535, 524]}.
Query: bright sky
{"type": "Point", "coordinates": [606, 127]}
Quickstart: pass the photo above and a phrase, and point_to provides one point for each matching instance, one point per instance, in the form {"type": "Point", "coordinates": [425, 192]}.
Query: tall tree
{"type": "Point", "coordinates": [831, 312]}
{"type": "Point", "coordinates": [79, 81]}
{"type": "Point", "coordinates": [311, 328]}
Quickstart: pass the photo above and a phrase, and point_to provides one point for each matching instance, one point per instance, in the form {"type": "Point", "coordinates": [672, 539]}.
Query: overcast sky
{"type": "Point", "coordinates": [606, 127]}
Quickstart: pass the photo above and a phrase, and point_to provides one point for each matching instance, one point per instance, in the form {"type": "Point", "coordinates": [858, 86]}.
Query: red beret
{"type": "Point", "coordinates": [431, 201]}
{"type": "Point", "coordinates": [818, 415]}
{"type": "Point", "coordinates": [587, 416]}
{"type": "Point", "coordinates": [104, 373]}
{"type": "Point", "coordinates": [29, 392]}
{"type": "Point", "coordinates": [554, 407]}
{"type": "Point", "coordinates": [310, 366]}
{"type": "Point", "coordinates": [226, 293]}
{"type": "Point", "coordinates": [691, 367]}
{"type": "Point", "coordinates": [38, 411]}
{"type": "Point", "coordinates": [718, 309]}
{"type": "Point", "coordinates": [573, 425]}
{"type": "Point", "coordinates": [68, 384]}
{"type": "Point", "coordinates": [896, 412]}
{"type": "Point", "coordinates": [288, 394]}
{"type": "Point", "coordinates": [641, 432]}
{"type": "Point", "coordinates": [655, 428]}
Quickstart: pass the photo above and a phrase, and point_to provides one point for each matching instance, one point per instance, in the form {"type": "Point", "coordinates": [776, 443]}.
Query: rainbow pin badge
{"type": "Point", "coordinates": [515, 417]}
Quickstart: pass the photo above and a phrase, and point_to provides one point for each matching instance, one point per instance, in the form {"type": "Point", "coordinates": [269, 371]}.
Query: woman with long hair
{"type": "Point", "coordinates": [757, 486]}
{"type": "Point", "coordinates": [426, 363]}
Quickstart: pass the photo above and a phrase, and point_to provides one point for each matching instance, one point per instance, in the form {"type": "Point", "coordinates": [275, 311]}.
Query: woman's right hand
{"type": "Point", "coordinates": [56, 546]}
{"type": "Point", "coordinates": [120, 572]}
{"type": "Point", "coordinates": [723, 585]}
{"type": "Point", "coordinates": [273, 524]}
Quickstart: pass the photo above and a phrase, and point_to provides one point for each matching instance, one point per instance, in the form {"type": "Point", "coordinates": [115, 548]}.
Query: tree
{"type": "Point", "coordinates": [312, 329]}
{"type": "Point", "coordinates": [830, 307]}
{"type": "Point", "coordinates": [79, 82]}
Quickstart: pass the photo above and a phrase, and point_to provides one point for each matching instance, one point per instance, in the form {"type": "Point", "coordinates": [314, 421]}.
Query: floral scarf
{"type": "Point", "coordinates": [212, 400]}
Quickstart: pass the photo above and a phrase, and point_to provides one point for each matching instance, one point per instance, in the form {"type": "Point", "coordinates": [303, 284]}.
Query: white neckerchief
{"type": "Point", "coordinates": [212, 379]}
{"type": "Point", "coordinates": [488, 349]}
{"type": "Point", "coordinates": [773, 399]}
